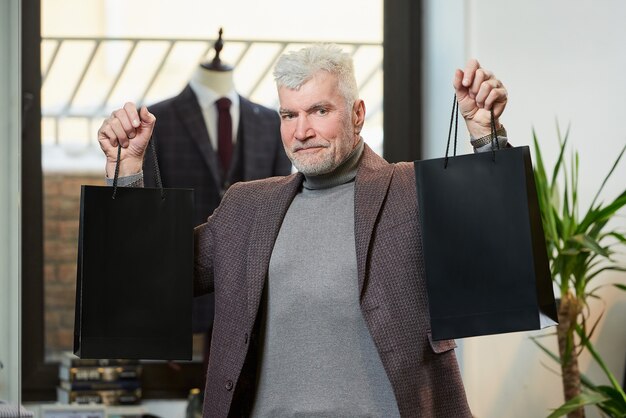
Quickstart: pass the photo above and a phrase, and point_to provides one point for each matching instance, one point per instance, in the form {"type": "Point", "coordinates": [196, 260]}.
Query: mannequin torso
{"type": "Point", "coordinates": [221, 82]}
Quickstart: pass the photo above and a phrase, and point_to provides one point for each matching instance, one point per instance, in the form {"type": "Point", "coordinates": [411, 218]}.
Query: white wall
{"type": "Point", "coordinates": [560, 59]}
{"type": "Point", "coordinates": [9, 200]}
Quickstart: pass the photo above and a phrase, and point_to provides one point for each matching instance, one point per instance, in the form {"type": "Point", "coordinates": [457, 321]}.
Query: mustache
{"type": "Point", "coordinates": [298, 147]}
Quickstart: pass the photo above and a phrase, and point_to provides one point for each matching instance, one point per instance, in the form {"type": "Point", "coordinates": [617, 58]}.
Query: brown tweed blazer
{"type": "Point", "coordinates": [232, 256]}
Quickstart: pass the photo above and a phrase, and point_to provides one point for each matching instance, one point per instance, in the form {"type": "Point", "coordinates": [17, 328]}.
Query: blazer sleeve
{"type": "Point", "coordinates": [212, 239]}
{"type": "Point", "coordinates": [203, 259]}
{"type": "Point", "coordinates": [205, 245]}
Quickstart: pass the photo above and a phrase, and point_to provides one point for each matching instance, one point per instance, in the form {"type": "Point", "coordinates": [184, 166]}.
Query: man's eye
{"type": "Point", "coordinates": [287, 116]}
{"type": "Point", "coordinates": [322, 112]}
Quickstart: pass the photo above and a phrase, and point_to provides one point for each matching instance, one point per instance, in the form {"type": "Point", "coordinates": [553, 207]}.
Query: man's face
{"type": "Point", "coordinates": [317, 128]}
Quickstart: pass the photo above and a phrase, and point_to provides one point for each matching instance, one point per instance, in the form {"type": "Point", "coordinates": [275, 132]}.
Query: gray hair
{"type": "Point", "coordinates": [295, 68]}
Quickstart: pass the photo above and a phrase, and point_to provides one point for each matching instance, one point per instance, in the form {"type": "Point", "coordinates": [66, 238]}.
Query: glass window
{"type": "Point", "coordinates": [141, 51]}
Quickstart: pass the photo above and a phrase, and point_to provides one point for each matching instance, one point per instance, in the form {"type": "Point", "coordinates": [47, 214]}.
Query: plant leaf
{"type": "Point", "coordinates": [559, 161]}
{"type": "Point", "coordinates": [577, 402]}
{"type": "Point", "coordinates": [539, 167]}
{"type": "Point", "coordinates": [602, 214]}
{"type": "Point", "coordinates": [587, 343]}
{"type": "Point", "coordinates": [544, 195]}
{"type": "Point", "coordinates": [608, 175]}
{"type": "Point", "coordinates": [620, 237]}
{"type": "Point", "coordinates": [615, 404]}
{"type": "Point", "coordinates": [583, 379]}
{"type": "Point", "coordinates": [575, 188]}
{"type": "Point", "coordinates": [591, 244]}
{"type": "Point", "coordinates": [565, 215]}
{"type": "Point", "coordinates": [546, 350]}
{"type": "Point", "coordinates": [608, 211]}
{"type": "Point", "coordinates": [595, 273]}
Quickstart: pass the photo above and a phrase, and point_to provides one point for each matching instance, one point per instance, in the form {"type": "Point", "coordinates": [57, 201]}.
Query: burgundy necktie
{"type": "Point", "coordinates": [224, 133]}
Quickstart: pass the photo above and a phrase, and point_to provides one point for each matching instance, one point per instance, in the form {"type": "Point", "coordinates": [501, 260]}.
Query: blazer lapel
{"type": "Point", "coordinates": [268, 219]}
{"type": "Point", "coordinates": [372, 183]}
{"type": "Point", "coordinates": [190, 113]}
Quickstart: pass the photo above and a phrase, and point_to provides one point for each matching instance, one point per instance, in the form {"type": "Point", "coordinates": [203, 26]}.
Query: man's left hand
{"type": "Point", "coordinates": [477, 92]}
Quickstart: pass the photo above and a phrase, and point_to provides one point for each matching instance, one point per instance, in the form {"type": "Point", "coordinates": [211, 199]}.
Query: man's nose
{"type": "Point", "coordinates": [303, 128]}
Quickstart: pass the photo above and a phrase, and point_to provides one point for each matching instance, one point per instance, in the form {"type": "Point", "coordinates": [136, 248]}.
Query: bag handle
{"type": "Point", "coordinates": [454, 118]}
{"type": "Point", "coordinates": [157, 172]}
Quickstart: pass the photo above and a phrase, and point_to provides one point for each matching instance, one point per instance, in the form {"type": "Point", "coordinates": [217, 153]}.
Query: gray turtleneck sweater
{"type": "Point", "coordinates": [318, 358]}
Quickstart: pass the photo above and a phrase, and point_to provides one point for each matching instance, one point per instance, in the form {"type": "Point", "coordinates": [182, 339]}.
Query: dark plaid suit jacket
{"type": "Point", "coordinates": [187, 160]}
{"type": "Point", "coordinates": [233, 250]}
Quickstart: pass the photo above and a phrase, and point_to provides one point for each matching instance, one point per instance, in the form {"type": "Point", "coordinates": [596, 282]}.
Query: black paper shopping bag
{"type": "Point", "coordinates": [135, 273]}
{"type": "Point", "coordinates": [484, 249]}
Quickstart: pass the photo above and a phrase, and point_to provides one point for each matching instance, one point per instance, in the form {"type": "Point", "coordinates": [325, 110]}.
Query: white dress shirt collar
{"type": "Point", "coordinates": [206, 99]}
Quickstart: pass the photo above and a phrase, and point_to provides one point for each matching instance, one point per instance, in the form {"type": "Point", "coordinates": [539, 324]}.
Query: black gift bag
{"type": "Point", "coordinates": [484, 249]}
{"type": "Point", "coordinates": [135, 273]}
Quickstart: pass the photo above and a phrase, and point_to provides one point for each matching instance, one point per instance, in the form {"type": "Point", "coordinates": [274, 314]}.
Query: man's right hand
{"type": "Point", "coordinates": [131, 129]}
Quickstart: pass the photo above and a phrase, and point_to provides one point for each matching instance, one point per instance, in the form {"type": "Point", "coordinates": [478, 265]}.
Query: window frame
{"type": "Point", "coordinates": [160, 380]}
{"type": "Point", "coordinates": [402, 126]}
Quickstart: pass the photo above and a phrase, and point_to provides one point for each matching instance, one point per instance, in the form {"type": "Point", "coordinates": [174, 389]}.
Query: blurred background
{"type": "Point", "coordinates": [562, 62]}
{"type": "Point", "coordinates": [107, 58]}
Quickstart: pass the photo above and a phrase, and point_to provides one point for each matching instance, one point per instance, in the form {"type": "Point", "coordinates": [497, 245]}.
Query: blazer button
{"type": "Point", "coordinates": [229, 385]}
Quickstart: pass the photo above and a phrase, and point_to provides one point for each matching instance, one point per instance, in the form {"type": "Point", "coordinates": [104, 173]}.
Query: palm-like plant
{"type": "Point", "coordinates": [579, 248]}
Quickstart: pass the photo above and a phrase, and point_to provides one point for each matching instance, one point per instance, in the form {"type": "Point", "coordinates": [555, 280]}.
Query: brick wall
{"type": "Point", "coordinates": [61, 202]}
{"type": "Point", "coordinates": [61, 213]}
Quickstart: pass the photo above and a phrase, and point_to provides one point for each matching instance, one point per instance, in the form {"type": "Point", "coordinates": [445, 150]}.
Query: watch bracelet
{"type": "Point", "coordinates": [484, 140]}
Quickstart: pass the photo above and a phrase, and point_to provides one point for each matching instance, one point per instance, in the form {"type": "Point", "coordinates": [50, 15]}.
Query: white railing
{"type": "Point", "coordinates": [84, 78]}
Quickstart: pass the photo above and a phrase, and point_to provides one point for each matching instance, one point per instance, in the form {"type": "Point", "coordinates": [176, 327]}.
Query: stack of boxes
{"type": "Point", "coordinates": [100, 381]}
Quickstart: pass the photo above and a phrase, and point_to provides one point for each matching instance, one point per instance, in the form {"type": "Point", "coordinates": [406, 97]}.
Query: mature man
{"type": "Point", "coordinates": [321, 305]}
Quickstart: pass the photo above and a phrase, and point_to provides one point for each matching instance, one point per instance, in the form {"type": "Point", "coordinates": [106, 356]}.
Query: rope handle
{"type": "Point", "coordinates": [454, 118]}
{"type": "Point", "coordinates": [157, 172]}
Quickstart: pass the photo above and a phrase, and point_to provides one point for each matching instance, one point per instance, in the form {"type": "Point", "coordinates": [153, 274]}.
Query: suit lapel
{"type": "Point", "coordinates": [372, 183]}
{"type": "Point", "coordinates": [190, 113]}
{"type": "Point", "coordinates": [253, 136]}
{"type": "Point", "coordinates": [247, 127]}
{"type": "Point", "coordinates": [268, 219]}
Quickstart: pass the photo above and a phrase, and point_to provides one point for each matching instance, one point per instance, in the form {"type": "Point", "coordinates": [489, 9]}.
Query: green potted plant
{"type": "Point", "coordinates": [579, 249]}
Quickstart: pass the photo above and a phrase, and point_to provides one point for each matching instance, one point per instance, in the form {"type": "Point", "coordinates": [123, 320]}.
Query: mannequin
{"type": "Point", "coordinates": [214, 74]}
{"type": "Point", "coordinates": [186, 144]}
{"type": "Point", "coordinates": [221, 82]}
{"type": "Point", "coordinates": [185, 137]}
{"type": "Point", "coordinates": [211, 81]}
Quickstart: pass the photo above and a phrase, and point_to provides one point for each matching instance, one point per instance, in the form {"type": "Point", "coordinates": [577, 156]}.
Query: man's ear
{"type": "Point", "coordinates": [358, 115]}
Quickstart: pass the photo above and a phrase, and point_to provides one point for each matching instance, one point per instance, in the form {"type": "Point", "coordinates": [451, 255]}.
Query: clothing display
{"type": "Point", "coordinates": [187, 159]}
